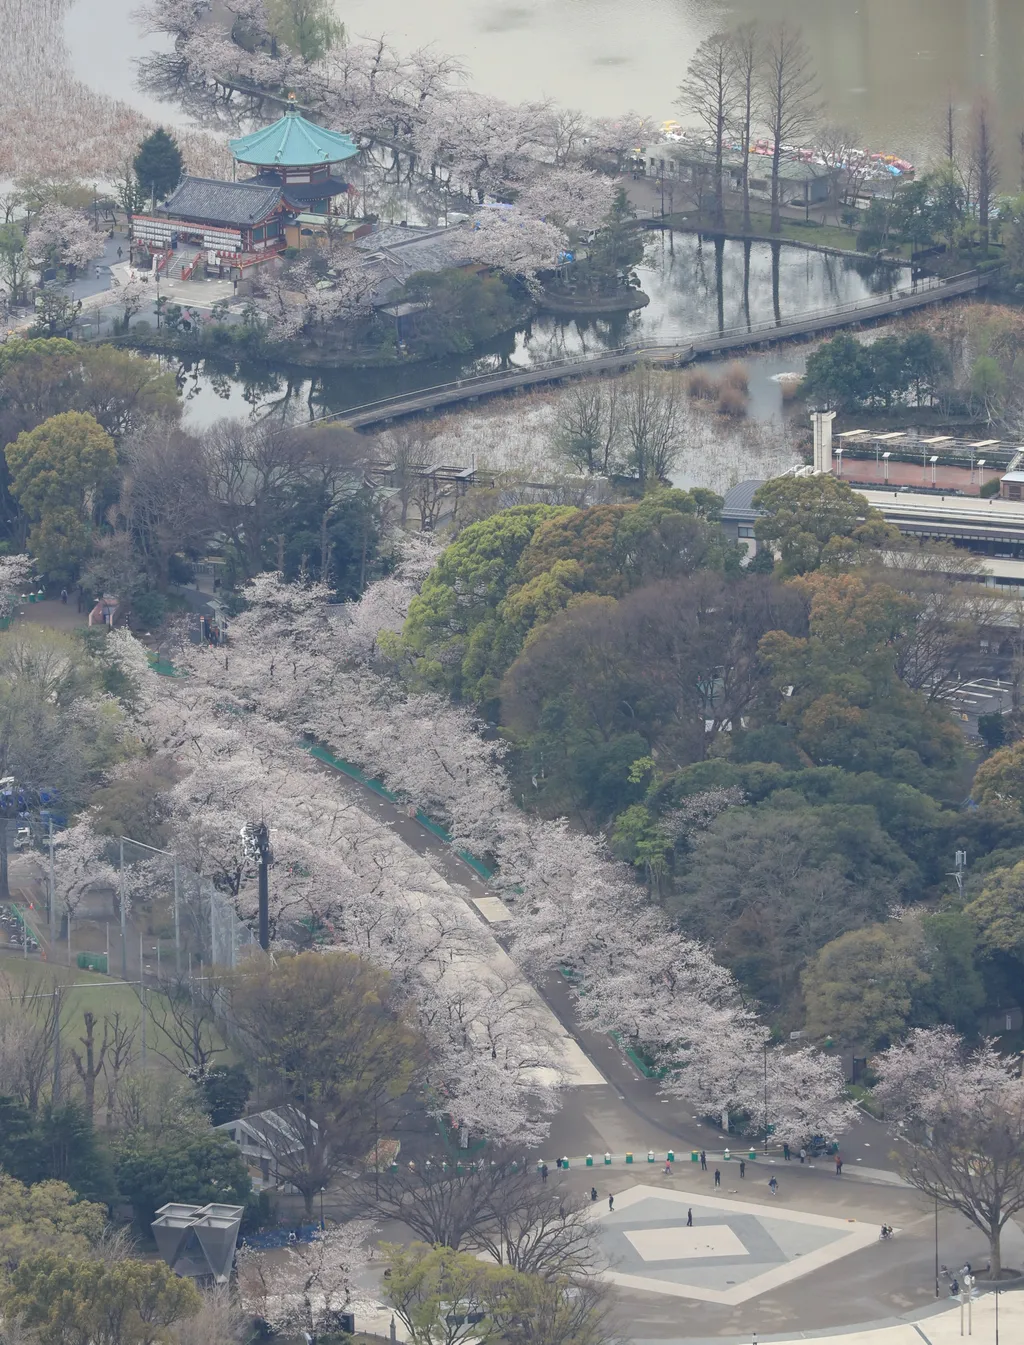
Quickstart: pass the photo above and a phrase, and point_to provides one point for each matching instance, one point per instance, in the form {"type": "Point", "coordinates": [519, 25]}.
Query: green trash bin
{"type": "Point", "coordinates": [607, 1160]}
{"type": "Point", "coordinates": [629, 1158]}
{"type": "Point", "coordinates": [671, 1155]}
{"type": "Point", "coordinates": [694, 1156]}
{"type": "Point", "coordinates": [590, 1160]}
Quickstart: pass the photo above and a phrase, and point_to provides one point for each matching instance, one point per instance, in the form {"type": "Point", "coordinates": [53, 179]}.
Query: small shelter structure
{"type": "Point", "coordinates": [266, 1139]}
{"type": "Point", "coordinates": [198, 1241]}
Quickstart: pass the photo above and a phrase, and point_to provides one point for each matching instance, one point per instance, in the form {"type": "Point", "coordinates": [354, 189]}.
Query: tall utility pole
{"type": "Point", "coordinates": [53, 897]}
{"type": "Point", "coordinates": [262, 838]}
{"type": "Point", "coordinates": [256, 840]}
{"type": "Point", "coordinates": [56, 1045]}
{"type": "Point", "coordinates": [121, 903]}
{"type": "Point", "coordinates": [766, 1095]}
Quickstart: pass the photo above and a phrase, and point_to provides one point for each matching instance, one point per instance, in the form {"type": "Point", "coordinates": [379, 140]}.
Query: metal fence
{"type": "Point", "coordinates": [191, 919]}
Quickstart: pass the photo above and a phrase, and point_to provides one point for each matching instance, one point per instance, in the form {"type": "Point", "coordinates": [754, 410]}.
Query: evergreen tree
{"type": "Point", "coordinates": [158, 164]}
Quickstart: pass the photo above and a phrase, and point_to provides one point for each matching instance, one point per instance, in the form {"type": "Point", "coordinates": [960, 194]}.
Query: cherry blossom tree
{"type": "Point", "coordinates": [63, 237]}
{"type": "Point", "coordinates": [963, 1111]}
{"type": "Point", "coordinates": [320, 289]}
{"type": "Point", "coordinates": [510, 241]}
{"type": "Point", "coordinates": [79, 863]}
{"type": "Point", "coordinates": [299, 666]}
{"type": "Point", "coordinates": [570, 198]}
{"type": "Point", "coordinates": [315, 1282]}
{"type": "Point", "coordinates": [15, 573]}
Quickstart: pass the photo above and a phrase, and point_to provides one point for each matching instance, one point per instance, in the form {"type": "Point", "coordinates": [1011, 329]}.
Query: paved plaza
{"type": "Point", "coordinates": [734, 1250]}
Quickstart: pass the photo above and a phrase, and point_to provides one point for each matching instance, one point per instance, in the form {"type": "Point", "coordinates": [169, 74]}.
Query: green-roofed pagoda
{"type": "Point", "coordinates": [294, 147]}
{"type": "Point", "coordinates": [244, 221]}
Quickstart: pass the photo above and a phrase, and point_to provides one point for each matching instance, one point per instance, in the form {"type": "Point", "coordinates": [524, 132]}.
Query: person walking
{"type": "Point", "coordinates": [668, 1168]}
{"type": "Point", "coordinates": [839, 1166]}
{"type": "Point", "coordinates": [689, 1218]}
{"type": "Point", "coordinates": [773, 1186]}
{"type": "Point", "coordinates": [593, 1193]}
{"type": "Point", "coordinates": [743, 1168]}
{"type": "Point", "coordinates": [803, 1154]}
{"type": "Point", "coordinates": [703, 1161]}
{"type": "Point", "coordinates": [785, 1152]}
{"type": "Point", "coordinates": [64, 596]}
{"type": "Point", "coordinates": [718, 1177]}
{"type": "Point", "coordinates": [611, 1202]}
{"type": "Point", "coordinates": [543, 1172]}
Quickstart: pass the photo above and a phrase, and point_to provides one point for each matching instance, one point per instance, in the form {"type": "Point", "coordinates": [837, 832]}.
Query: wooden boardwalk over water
{"type": "Point", "coordinates": [623, 358]}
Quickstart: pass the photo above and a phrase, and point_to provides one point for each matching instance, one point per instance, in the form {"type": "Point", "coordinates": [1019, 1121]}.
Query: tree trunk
{"type": "Point", "coordinates": [995, 1254]}
{"type": "Point", "coordinates": [776, 223]}
{"type": "Point", "coordinates": [5, 891]}
{"type": "Point", "coordinates": [719, 188]}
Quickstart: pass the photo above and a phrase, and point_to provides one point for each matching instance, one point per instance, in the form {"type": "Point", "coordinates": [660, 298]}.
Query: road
{"type": "Point", "coordinates": [627, 1112]}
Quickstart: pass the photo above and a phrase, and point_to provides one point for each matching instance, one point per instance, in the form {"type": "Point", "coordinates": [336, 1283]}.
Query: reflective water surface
{"type": "Point", "coordinates": [887, 68]}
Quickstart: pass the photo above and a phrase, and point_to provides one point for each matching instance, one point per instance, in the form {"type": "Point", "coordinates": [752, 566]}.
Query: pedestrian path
{"type": "Point", "coordinates": [639, 1161]}
{"type": "Point", "coordinates": [942, 1325]}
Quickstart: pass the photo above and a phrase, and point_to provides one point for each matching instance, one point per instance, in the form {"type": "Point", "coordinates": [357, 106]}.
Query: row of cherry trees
{"type": "Point", "coordinates": [342, 873]}
{"type": "Point", "coordinates": [299, 665]}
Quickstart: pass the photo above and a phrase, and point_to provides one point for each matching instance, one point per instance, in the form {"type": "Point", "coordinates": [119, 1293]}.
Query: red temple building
{"type": "Point", "coordinates": [225, 227]}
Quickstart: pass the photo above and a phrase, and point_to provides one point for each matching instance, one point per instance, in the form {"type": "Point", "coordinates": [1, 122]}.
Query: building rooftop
{"type": "Point", "coordinates": [403, 251]}
{"type": "Point", "coordinates": [293, 142]}
{"type": "Point", "coordinates": [791, 167]}
{"type": "Point", "coordinates": [738, 505]}
{"type": "Point", "coordinates": [208, 201]}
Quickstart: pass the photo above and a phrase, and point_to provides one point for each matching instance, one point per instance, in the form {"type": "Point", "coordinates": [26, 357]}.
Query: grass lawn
{"type": "Point", "coordinates": [103, 995]}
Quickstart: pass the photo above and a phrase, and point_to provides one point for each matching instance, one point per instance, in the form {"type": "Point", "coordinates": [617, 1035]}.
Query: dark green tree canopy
{"type": "Point", "coordinates": [158, 164]}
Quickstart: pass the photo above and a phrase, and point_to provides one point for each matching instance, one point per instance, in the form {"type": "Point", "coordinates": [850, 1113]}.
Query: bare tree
{"type": "Point", "coordinates": [588, 426]}
{"type": "Point", "coordinates": [91, 1066]}
{"type": "Point", "coordinates": [844, 164]}
{"type": "Point", "coordinates": [27, 1020]}
{"type": "Point", "coordinates": [984, 166]}
{"type": "Point", "coordinates": [119, 1057]}
{"type": "Point", "coordinates": [709, 90]}
{"type": "Point", "coordinates": [652, 424]}
{"type": "Point", "coordinates": [184, 1015]}
{"type": "Point", "coordinates": [444, 1202]}
{"type": "Point", "coordinates": [165, 500]}
{"type": "Point", "coordinates": [570, 130]}
{"type": "Point", "coordinates": [746, 57]}
{"type": "Point", "coordinates": [788, 98]}
{"type": "Point", "coordinates": [537, 1227]}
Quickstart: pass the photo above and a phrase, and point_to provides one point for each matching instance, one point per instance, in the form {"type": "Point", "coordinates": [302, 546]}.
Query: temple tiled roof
{"type": "Point", "coordinates": [208, 201]}
{"type": "Point", "coordinates": [293, 142]}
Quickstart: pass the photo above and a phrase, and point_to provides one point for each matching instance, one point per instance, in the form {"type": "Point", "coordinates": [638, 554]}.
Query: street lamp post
{"type": "Point", "coordinates": [322, 1224]}
{"type": "Point", "coordinates": [765, 1108]}
{"type": "Point", "coordinates": [256, 840]}
{"type": "Point", "coordinates": [936, 1246]}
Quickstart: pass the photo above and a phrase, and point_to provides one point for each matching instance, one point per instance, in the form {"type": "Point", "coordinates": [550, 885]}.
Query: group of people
{"type": "Point", "coordinates": [773, 1184]}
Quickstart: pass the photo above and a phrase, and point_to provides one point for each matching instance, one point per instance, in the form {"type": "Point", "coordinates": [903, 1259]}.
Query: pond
{"type": "Point", "coordinates": [696, 285]}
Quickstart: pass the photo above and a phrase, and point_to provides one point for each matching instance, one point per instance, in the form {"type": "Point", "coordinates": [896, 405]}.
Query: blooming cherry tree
{"type": "Point", "coordinates": [963, 1111]}
{"type": "Point", "coordinates": [313, 1285]}
{"type": "Point", "coordinates": [63, 237]}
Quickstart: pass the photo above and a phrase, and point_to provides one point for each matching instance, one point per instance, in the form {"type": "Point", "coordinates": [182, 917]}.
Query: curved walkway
{"type": "Point", "coordinates": [627, 1113]}
{"type": "Point", "coordinates": [623, 358]}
